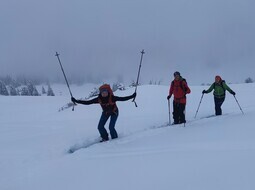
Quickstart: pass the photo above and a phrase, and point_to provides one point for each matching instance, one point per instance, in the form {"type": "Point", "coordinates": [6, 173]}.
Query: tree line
{"type": "Point", "coordinates": [22, 86]}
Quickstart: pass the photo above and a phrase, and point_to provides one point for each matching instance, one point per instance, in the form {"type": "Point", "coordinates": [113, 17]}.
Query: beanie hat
{"type": "Point", "coordinates": [177, 73]}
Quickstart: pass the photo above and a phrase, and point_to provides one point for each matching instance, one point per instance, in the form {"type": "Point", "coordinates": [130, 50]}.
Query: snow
{"type": "Point", "coordinates": [209, 153]}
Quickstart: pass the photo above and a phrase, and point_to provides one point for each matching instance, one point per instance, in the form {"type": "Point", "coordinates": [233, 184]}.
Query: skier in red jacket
{"type": "Point", "coordinates": [179, 89]}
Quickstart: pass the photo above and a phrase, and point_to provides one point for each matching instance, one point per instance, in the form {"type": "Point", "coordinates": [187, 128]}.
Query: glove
{"type": "Point", "coordinates": [168, 97]}
{"type": "Point", "coordinates": [134, 95]}
{"type": "Point", "coordinates": [233, 93]}
{"type": "Point", "coordinates": [73, 100]}
{"type": "Point", "coordinates": [204, 91]}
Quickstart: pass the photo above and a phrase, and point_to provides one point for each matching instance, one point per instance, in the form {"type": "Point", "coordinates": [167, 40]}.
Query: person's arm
{"type": "Point", "coordinates": [85, 102]}
{"type": "Point", "coordinates": [171, 90]}
{"type": "Point", "coordinates": [125, 98]}
{"type": "Point", "coordinates": [187, 89]}
{"type": "Point", "coordinates": [210, 89]}
{"type": "Point", "coordinates": [226, 87]}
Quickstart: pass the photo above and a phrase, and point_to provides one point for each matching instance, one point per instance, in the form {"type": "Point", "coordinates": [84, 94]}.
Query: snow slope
{"type": "Point", "coordinates": [209, 153]}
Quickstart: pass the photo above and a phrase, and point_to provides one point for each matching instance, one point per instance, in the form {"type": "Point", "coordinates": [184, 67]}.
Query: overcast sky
{"type": "Point", "coordinates": [102, 39]}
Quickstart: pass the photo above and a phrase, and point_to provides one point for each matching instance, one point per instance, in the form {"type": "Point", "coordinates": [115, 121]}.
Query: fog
{"type": "Point", "coordinates": [101, 40]}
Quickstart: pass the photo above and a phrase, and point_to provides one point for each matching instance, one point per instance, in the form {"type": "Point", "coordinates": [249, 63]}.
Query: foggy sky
{"type": "Point", "coordinates": [99, 39]}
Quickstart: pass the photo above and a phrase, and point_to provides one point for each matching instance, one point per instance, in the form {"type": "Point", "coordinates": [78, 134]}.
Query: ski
{"type": "Point", "coordinates": [177, 124]}
{"type": "Point", "coordinates": [210, 116]}
{"type": "Point", "coordinates": [76, 147]}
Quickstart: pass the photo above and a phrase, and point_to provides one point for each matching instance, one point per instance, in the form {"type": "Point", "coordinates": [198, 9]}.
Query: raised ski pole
{"type": "Point", "coordinates": [142, 52]}
{"type": "Point", "coordinates": [199, 104]}
{"type": "Point", "coordinates": [57, 54]}
{"type": "Point", "coordinates": [238, 104]}
{"type": "Point", "coordinates": [169, 112]}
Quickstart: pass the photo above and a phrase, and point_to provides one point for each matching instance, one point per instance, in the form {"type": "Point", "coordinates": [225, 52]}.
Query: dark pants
{"type": "Point", "coordinates": [178, 113]}
{"type": "Point", "coordinates": [218, 102]}
{"type": "Point", "coordinates": [102, 122]}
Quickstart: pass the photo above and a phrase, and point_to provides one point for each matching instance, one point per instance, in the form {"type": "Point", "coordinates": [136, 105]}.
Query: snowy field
{"type": "Point", "coordinates": [216, 153]}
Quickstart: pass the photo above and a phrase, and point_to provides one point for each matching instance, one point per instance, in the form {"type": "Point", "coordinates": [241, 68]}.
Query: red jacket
{"type": "Point", "coordinates": [179, 89]}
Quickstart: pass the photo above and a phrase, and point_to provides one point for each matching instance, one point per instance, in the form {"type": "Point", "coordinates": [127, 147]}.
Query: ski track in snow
{"type": "Point", "coordinates": [146, 133]}
{"type": "Point", "coordinates": [35, 143]}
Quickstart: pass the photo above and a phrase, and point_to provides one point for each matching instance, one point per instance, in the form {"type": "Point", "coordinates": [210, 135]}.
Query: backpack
{"type": "Point", "coordinates": [181, 84]}
{"type": "Point", "coordinates": [221, 85]}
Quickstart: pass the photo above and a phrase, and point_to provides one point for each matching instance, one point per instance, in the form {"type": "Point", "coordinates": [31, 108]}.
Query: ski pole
{"type": "Point", "coordinates": [142, 52]}
{"type": "Point", "coordinates": [238, 104]}
{"type": "Point", "coordinates": [169, 112]}
{"type": "Point", "coordinates": [57, 54]}
{"type": "Point", "coordinates": [184, 112]}
{"type": "Point", "coordinates": [199, 104]}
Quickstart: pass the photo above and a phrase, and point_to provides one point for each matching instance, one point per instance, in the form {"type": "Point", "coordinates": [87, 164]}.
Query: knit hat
{"type": "Point", "coordinates": [177, 73]}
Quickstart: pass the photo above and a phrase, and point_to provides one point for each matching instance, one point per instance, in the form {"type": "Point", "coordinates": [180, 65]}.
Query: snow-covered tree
{"type": "Point", "coordinates": [249, 80]}
{"type": "Point", "coordinates": [50, 91]}
{"type": "Point", "coordinates": [30, 88]}
{"type": "Point", "coordinates": [43, 90]}
{"type": "Point", "coordinates": [32, 91]}
{"type": "Point", "coordinates": [93, 93]}
{"type": "Point", "coordinates": [9, 81]}
{"type": "Point", "coordinates": [13, 91]}
{"type": "Point", "coordinates": [133, 84]}
{"type": "Point", "coordinates": [118, 86]}
{"type": "Point", "coordinates": [3, 89]}
{"type": "Point", "coordinates": [24, 91]}
{"type": "Point", "coordinates": [35, 92]}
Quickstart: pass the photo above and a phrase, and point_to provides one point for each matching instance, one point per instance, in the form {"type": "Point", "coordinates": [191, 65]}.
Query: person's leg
{"type": "Point", "coordinates": [175, 112]}
{"type": "Point", "coordinates": [113, 120]}
{"type": "Point", "coordinates": [218, 103]}
{"type": "Point", "coordinates": [182, 113]}
{"type": "Point", "coordinates": [101, 124]}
